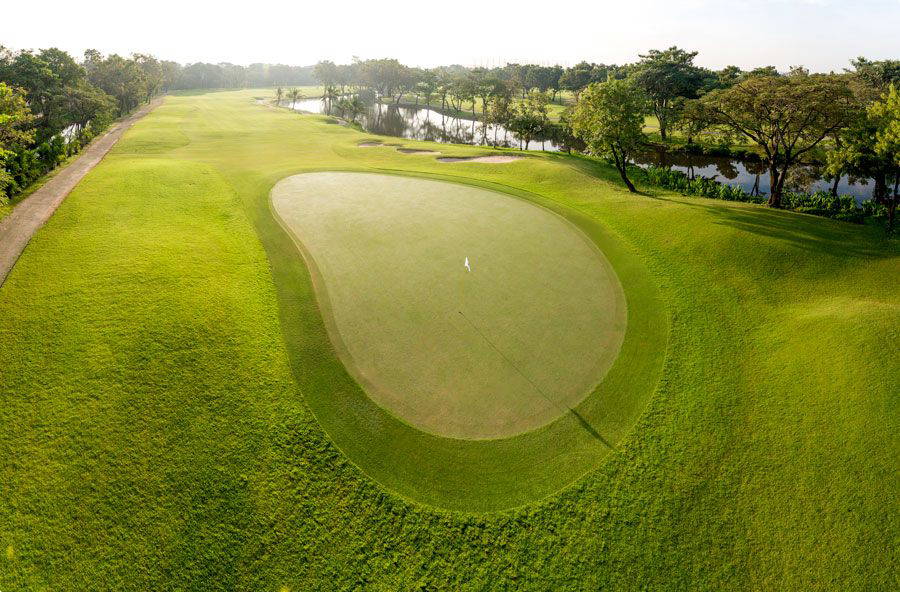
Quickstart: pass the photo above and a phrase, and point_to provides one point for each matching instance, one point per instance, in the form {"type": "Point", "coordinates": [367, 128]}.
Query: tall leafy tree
{"type": "Point", "coordinates": [886, 115]}
{"type": "Point", "coordinates": [665, 76]}
{"type": "Point", "coordinates": [608, 118]}
{"type": "Point", "coordinates": [878, 74]}
{"type": "Point", "coordinates": [43, 76]}
{"type": "Point", "coordinates": [530, 117]}
{"type": "Point", "coordinates": [785, 116]}
{"type": "Point", "coordinates": [119, 77]}
{"type": "Point", "coordinates": [152, 74]}
{"type": "Point", "coordinates": [85, 105]}
{"type": "Point", "coordinates": [870, 147]}
{"type": "Point", "coordinates": [16, 128]}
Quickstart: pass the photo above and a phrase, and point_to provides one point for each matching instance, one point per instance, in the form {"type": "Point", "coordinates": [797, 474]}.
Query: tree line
{"type": "Point", "coordinates": [848, 121]}
{"type": "Point", "coordinates": [52, 104]}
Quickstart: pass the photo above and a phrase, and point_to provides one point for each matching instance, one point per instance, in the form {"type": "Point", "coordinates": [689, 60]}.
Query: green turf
{"type": "Point", "coordinates": [162, 356]}
{"type": "Point", "coordinates": [501, 349]}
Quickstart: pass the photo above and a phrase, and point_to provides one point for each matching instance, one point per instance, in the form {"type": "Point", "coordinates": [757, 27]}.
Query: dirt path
{"type": "Point", "coordinates": [27, 217]}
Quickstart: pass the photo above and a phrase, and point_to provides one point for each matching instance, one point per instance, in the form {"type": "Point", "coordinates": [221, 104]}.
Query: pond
{"type": "Point", "coordinates": [752, 176]}
{"type": "Point", "coordinates": [422, 123]}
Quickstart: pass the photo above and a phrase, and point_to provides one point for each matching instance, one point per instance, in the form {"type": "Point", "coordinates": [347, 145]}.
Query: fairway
{"type": "Point", "coordinates": [176, 415]}
{"type": "Point", "coordinates": [501, 348]}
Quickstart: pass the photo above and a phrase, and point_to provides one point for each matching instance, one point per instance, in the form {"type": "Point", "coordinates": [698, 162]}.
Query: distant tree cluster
{"type": "Point", "coordinates": [52, 104]}
{"type": "Point", "coordinates": [851, 119]}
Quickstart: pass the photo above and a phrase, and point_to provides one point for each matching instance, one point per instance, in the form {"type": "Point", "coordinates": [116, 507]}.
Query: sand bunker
{"type": "Point", "coordinates": [369, 144]}
{"type": "Point", "coordinates": [495, 159]}
{"type": "Point", "coordinates": [417, 151]}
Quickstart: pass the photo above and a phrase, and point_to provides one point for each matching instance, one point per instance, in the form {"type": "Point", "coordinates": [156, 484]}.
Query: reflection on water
{"type": "Point", "coordinates": [752, 176]}
{"type": "Point", "coordinates": [421, 123]}
{"type": "Point", "coordinates": [429, 125]}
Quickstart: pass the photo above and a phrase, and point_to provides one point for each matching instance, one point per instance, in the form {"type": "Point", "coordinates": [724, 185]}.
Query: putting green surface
{"type": "Point", "coordinates": [498, 350]}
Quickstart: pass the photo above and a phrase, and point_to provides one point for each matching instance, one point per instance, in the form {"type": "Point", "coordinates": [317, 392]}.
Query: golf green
{"type": "Point", "coordinates": [503, 346]}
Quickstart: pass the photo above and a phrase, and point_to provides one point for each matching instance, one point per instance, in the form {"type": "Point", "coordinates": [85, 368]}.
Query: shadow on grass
{"type": "Point", "coordinates": [812, 233]}
{"type": "Point", "coordinates": [590, 429]}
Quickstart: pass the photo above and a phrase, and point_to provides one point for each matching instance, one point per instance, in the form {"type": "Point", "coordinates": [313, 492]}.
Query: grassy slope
{"type": "Point", "coordinates": [152, 436]}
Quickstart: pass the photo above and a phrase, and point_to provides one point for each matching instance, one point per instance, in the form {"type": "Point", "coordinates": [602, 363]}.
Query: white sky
{"type": "Point", "coordinates": [821, 34]}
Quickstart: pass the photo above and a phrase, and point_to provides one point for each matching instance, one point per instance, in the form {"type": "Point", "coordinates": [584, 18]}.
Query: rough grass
{"type": "Point", "coordinates": [155, 431]}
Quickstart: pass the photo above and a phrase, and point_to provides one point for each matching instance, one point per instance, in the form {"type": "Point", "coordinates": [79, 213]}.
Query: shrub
{"type": "Point", "coordinates": [820, 203]}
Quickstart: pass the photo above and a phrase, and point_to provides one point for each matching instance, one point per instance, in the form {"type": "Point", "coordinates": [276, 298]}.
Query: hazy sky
{"type": "Point", "coordinates": [821, 34]}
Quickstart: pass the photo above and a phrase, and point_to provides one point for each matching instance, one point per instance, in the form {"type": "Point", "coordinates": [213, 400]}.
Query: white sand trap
{"type": "Point", "coordinates": [417, 151]}
{"type": "Point", "coordinates": [369, 144]}
{"type": "Point", "coordinates": [495, 159]}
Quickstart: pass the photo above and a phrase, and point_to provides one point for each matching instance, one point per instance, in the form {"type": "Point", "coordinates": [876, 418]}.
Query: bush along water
{"type": "Point", "coordinates": [820, 203]}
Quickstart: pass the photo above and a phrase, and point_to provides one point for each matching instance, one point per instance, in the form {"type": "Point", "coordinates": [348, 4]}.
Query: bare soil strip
{"type": "Point", "coordinates": [27, 217]}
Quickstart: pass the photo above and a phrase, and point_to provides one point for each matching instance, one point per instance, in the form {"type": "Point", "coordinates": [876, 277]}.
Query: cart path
{"type": "Point", "coordinates": [28, 216]}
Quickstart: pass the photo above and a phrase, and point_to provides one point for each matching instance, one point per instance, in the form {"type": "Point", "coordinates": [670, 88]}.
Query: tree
{"type": "Point", "coordinates": [665, 76]}
{"type": "Point", "coordinates": [279, 94]}
{"type": "Point", "coordinates": [870, 147]}
{"type": "Point", "coordinates": [125, 81]}
{"type": "Point", "coordinates": [530, 117]}
{"type": "Point", "coordinates": [576, 78]}
{"type": "Point", "coordinates": [786, 116]}
{"type": "Point", "coordinates": [426, 87]}
{"type": "Point", "coordinates": [85, 104]}
{"type": "Point", "coordinates": [350, 108]}
{"type": "Point", "coordinates": [500, 112]}
{"type": "Point", "coordinates": [608, 118]}
{"type": "Point", "coordinates": [878, 74]}
{"type": "Point", "coordinates": [294, 95]}
{"type": "Point", "coordinates": [153, 74]}
{"type": "Point", "coordinates": [326, 73]}
{"type": "Point", "coordinates": [693, 120]}
{"type": "Point", "coordinates": [43, 77]}
{"type": "Point", "coordinates": [886, 116]}
{"type": "Point", "coordinates": [15, 128]}
{"type": "Point", "coordinates": [728, 76]}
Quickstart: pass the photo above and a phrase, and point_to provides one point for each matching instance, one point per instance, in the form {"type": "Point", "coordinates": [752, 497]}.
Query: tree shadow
{"type": "Point", "coordinates": [590, 429]}
{"type": "Point", "coordinates": [804, 231]}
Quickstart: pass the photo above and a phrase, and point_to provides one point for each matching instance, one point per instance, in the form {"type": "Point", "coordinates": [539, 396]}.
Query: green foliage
{"type": "Point", "coordinates": [15, 126]}
{"type": "Point", "coordinates": [785, 116]}
{"type": "Point", "coordinates": [350, 108]}
{"type": "Point", "coordinates": [698, 186]}
{"type": "Point", "coordinates": [529, 117]}
{"type": "Point", "coordinates": [885, 115]}
{"type": "Point", "coordinates": [879, 74]}
{"type": "Point", "coordinates": [820, 203]}
{"type": "Point", "coordinates": [666, 76]}
{"type": "Point", "coordinates": [609, 118]}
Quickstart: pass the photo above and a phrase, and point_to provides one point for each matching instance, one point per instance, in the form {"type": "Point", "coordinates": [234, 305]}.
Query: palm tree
{"type": "Point", "coordinates": [350, 109]}
{"type": "Point", "coordinates": [295, 95]}
{"type": "Point", "coordinates": [279, 94]}
{"type": "Point", "coordinates": [331, 94]}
